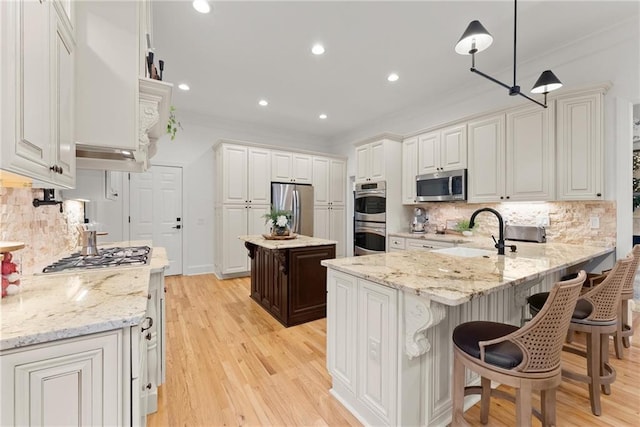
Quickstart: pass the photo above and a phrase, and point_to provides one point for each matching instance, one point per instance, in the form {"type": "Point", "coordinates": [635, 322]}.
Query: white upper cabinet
{"type": "Point", "coordinates": [530, 154]}
{"type": "Point", "coordinates": [486, 159]}
{"type": "Point", "coordinates": [291, 167]}
{"type": "Point", "coordinates": [409, 170]}
{"type": "Point", "coordinates": [580, 146]}
{"type": "Point", "coordinates": [245, 175]}
{"type": "Point", "coordinates": [511, 156]}
{"type": "Point", "coordinates": [370, 159]}
{"type": "Point", "coordinates": [37, 92]}
{"type": "Point", "coordinates": [443, 149]}
{"type": "Point", "coordinates": [328, 181]}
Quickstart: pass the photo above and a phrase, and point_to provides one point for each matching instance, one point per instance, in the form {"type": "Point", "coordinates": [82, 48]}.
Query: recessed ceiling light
{"type": "Point", "coordinates": [201, 6]}
{"type": "Point", "coordinates": [183, 86]}
{"type": "Point", "coordinates": [393, 77]}
{"type": "Point", "coordinates": [263, 102]}
{"type": "Point", "coordinates": [322, 116]}
{"type": "Point", "coordinates": [317, 49]}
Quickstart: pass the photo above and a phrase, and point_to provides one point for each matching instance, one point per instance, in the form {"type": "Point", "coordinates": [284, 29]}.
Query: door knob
{"type": "Point", "coordinates": [177, 227]}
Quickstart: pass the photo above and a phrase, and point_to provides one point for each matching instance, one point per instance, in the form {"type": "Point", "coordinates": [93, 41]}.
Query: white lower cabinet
{"type": "Point", "coordinates": [155, 342]}
{"type": "Point", "coordinates": [401, 243]}
{"type": "Point", "coordinates": [70, 382]}
{"type": "Point", "coordinates": [239, 220]}
{"type": "Point", "coordinates": [329, 223]}
{"type": "Point", "coordinates": [362, 356]}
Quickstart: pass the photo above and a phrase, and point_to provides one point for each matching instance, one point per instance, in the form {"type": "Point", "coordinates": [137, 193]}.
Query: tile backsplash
{"type": "Point", "coordinates": [569, 222]}
{"type": "Point", "coordinates": [46, 232]}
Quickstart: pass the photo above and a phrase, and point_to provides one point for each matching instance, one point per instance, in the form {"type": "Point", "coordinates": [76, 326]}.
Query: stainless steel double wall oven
{"type": "Point", "coordinates": [370, 229]}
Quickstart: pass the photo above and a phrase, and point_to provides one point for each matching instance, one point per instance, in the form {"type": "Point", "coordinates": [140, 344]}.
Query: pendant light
{"type": "Point", "coordinates": [476, 38]}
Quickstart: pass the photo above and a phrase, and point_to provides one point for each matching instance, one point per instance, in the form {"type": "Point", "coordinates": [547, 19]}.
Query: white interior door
{"type": "Point", "coordinates": [156, 211]}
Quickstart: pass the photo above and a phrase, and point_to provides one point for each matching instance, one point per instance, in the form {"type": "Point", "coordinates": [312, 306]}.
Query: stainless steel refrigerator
{"type": "Point", "coordinates": [298, 199]}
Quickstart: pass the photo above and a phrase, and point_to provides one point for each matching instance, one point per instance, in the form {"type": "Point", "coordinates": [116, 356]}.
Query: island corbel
{"type": "Point", "coordinates": [420, 314]}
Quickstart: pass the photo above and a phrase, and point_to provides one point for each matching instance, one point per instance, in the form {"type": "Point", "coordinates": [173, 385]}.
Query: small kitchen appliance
{"type": "Point", "coordinates": [419, 221]}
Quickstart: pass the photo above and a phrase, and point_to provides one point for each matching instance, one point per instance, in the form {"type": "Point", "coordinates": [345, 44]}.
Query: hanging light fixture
{"type": "Point", "coordinates": [476, 38]}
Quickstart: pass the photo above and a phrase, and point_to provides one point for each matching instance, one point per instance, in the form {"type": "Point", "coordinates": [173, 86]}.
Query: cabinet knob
{"type": "Point", "coordinates": [599, 194]}
{"type": "Point", "coordinates": [148, 386]}
{"type": "Point", "coordinates": [148, 296]}
{"type": "Point", "coordinates": [148, 336]}
{"type": "Point", "coordinates": [508, 197]}
{"type": "Point", "coordinates": [501, 197]}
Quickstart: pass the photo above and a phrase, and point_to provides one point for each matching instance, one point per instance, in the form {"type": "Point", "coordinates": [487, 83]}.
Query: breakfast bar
{"type": "Point", "coordinates": [390, 318]}
{"type": "Point", "coordinates": [287, 279]}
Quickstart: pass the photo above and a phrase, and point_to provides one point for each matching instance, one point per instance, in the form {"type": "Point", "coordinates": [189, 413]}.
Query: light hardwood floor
{"type": "Point", "coordinates": [230, 363]}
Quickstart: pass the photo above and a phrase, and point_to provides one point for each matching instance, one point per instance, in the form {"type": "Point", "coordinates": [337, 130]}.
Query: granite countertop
{"type": "Point", "coordinates": [299, 242]}
{"type": "Point", "coordinates": [65, 305]}
{"type": "Point", "coordinates": [454, 280]}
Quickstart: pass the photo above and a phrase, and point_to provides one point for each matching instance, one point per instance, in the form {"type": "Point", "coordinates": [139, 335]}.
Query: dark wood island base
{"type": "Point", "coordinates": [290, 283]}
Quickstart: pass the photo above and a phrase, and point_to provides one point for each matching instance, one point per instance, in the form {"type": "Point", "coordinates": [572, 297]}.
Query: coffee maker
{"type": "Point", "coordinates": [419, 221]}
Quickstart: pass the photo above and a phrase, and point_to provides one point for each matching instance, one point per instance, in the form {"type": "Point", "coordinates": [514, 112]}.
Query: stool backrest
{"type": "Point", "coordinates": [631, 276]}
{"type": "Point", "coordinates": [542, 337]}
{"type": "Point", "coordinates": [605, 297]}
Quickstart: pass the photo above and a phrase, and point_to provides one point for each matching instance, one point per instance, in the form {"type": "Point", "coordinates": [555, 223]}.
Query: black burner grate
{"type": "Point", "coordinates": [107, 257]}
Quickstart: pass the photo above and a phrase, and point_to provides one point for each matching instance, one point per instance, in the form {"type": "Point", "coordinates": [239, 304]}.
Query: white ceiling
{"type": "Point", "coordinates": [244, 51]}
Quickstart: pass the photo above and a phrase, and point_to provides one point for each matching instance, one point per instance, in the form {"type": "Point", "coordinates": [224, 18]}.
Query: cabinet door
{"type": "Point", "coordinates": [234, 175]}
{"type": "Point", "coordinates": [363, 154]}
{"type": "Point", "coordinates": [281, 166]}
{"type": "Point", "coordinates": [321, 222]}
{"type": "Point", "coordinates": [409, 170]}
{"type": "Point", "coordinates": [529, 154]}
{"type": "Point", "coordinates": [256, 224]}
{"type": "Point", "coordinates": [302, 170]}
{"type": "Point", "coordinates": [429, 153]}
{"type": "Point", "coordinates": [337, 228]}
{"type": "Point", "coordinates": [580, 147]}
{"type": "Point", "coordinates": [63, 144]}
{"type": "Point", "coordinates": [259, 170]}
{"type": "Point", "coordinates": [321, 180]}
{"type": "Point", "coordinates": [32, 150]}
{"type": "Point", "coordinates": [69, 382]}
{"type": "Point", "coordinates": [337, 182]}
{"type": "Point", "coordinates": [453, 148]}
{"type": "Point", "coordinates": [342, 303]}
{"type": "Point", "coordinates": [486, 160]}
{"type": "Point", "coordinates": [377, 161]}
{"type": "Point", "coordinates": [234, 254]}
{"type": "Point", "coordinates": [377, 347]}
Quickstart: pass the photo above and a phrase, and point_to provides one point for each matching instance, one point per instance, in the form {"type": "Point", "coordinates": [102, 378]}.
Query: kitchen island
{"type": "Point", "coordinates": [287, 279]}
{"type": "Point", "coordinates": [84, 346]}
{"type": "Point", "coordinates": [390, 318]}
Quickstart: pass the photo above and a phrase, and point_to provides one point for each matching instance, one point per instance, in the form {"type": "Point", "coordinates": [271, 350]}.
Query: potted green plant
{"type": "Point", "coordinates": [173, 124]}
{"type": "Point", "coordinates": [463, 227]}
{"type": "Point", "coordinates": [278, 220]}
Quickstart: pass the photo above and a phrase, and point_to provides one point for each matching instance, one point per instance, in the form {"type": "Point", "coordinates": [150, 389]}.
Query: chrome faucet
{"type": "Point", "coordinates": [500, 243]}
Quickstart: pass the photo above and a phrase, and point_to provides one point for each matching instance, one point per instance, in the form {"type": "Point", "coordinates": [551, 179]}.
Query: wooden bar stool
{"type": "Point", "coordinates": [625, 325]}
{"type": "Point", "coordinates": [595, 314]}
{"type": "Point", "coordinates": [526, 358]}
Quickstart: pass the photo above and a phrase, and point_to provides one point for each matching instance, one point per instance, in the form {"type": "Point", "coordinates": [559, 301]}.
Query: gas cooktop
{"type": "Point", "coordinates": [107, 257]}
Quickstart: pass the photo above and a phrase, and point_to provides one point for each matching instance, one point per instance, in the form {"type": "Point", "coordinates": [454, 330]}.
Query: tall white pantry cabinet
{"type": "Point", "coordinates": [244, 173]}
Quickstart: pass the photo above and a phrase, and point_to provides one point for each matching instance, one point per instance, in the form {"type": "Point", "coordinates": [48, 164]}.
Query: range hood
{"type": "Point", "coordinates": [154, 99]}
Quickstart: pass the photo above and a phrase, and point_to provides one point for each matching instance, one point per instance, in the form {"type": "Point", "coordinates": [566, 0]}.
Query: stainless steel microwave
{"type": "Point", "coordinates": [442, 186]}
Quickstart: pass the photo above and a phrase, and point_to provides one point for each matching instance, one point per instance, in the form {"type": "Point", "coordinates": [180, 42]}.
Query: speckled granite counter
{"type": "Point", "coordinates": [454, 280]}
{"type": "Point", "coordinates": [64, 305]}
{"type": "Point", "coordinates": [299, 242]}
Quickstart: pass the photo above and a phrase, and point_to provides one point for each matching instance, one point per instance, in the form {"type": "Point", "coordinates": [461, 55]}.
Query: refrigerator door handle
{"type": "Point", "coordinates": [296, 211]}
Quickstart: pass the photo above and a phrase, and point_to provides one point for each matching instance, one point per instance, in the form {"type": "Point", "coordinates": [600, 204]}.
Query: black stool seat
{"type": "Point", "coordinates": [582, 311]}
{"type": "Point", "coordinates": [504, 355]}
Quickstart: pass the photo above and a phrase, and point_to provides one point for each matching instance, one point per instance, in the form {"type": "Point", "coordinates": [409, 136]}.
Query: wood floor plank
{"type": "Point", "coordinates": [230, 363]}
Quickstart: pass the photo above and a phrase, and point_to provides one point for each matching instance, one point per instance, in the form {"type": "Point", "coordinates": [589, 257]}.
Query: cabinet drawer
{"type": "Point", "coordinates": [396, 242]}
{"type": "Point", "coordinates": [427, 245]}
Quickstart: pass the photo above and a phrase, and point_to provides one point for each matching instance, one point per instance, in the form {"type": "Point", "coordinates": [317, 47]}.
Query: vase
{"type": "Point", "coordinates": [280, 231]}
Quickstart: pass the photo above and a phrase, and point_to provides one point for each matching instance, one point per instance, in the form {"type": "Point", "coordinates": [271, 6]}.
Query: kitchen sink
{"type": "Point", "coordinates": [461, 251]}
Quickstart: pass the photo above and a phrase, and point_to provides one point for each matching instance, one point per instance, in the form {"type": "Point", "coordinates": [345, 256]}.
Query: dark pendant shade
{"type": "Point", "coordinates": [546, 83]}
{"type": "Point", "coordinates": [475, 37]}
